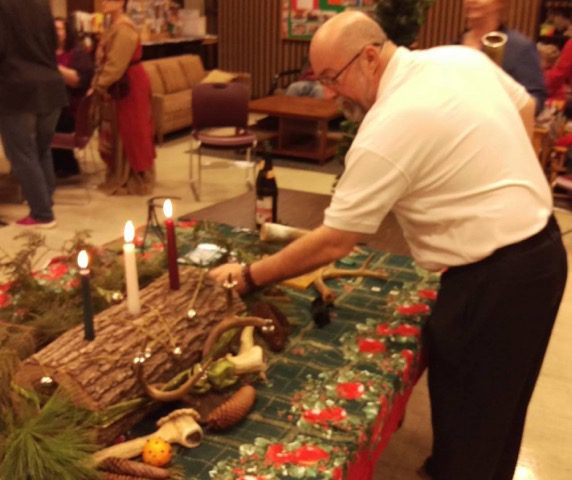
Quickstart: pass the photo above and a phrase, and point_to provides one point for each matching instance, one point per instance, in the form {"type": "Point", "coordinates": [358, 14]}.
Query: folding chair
{"type": "Point", "coordinates": [80, 138]}
{"type": "Point", "coordinates": [218, 108]}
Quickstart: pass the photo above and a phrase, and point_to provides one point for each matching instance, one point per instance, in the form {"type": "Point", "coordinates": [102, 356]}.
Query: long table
{"type": "Point", "coordinates": [336, 394]}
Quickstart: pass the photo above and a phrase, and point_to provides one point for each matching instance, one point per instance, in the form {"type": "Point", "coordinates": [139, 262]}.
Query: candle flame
{"type": "Point", "coordinates": [82, 259]}
{"type": "Point", "coordinates": [168, 208]}
{"type": "Point", "coordinates": [129, 231]}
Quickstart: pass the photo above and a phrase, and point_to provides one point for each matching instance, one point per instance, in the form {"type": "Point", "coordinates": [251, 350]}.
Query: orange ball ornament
{"type": "Point", "coordinates": [157, 452]}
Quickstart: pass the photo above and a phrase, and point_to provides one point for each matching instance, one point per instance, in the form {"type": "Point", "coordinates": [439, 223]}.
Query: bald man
{"type": "Point", "coordinates": [443, 144]}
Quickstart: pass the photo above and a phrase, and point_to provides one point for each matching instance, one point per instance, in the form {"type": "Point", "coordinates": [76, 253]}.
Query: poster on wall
{"type": "Point", "coordinates": [301, 18]}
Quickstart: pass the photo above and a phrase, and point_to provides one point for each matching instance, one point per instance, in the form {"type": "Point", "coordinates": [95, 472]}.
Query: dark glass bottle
{"type": "Point", "coordinates": [266, 192]}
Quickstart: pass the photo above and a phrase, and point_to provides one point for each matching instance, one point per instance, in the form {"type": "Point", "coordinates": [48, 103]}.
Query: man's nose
{"type": "Point", "coordinates": [330, 93]}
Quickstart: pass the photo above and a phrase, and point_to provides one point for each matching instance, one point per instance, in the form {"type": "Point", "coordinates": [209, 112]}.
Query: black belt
{"type": "Point", "coordinates": [551, 229]}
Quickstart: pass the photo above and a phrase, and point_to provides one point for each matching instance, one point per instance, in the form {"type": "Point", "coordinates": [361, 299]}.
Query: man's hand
{"type": "Point", "coordinates": [220, 275]}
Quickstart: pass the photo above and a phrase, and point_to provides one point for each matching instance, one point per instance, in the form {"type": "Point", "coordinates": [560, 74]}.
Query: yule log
{"type": "Point", "coordinates": [99, 374]}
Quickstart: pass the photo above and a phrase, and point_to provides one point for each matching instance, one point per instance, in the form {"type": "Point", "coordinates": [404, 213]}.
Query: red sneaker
{"type": "Point", "coordinates": [30, 221]}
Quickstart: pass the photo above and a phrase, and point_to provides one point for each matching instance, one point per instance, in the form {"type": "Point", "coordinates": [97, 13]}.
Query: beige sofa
{"type": "Point", "coordinates": [172, 81]}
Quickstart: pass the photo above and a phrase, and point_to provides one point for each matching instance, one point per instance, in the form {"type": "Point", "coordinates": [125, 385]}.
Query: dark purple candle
{"type": "Point", "coordinates": [83, 261]}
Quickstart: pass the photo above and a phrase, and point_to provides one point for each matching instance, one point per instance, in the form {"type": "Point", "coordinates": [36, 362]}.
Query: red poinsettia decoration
{"type": "Point", "coordinates": [55, 271]}
{"type": "Point", "coordinates": [275, 455]}
{"type": "Point", "coordinates": [5, 300]}
{"type": "Point", "coordinates": [350, 390]}
{"type": "Point", "coordinates": [370, 345]}
{"type": "Point", "coordinates": [325, 416]}
{"type": "Point", "coordinates": [415, 309]}
{"type": "Point", "coordinates": [187, 224]}
{"type": "Point", "coordinates": [337, 474]}
{"type": "Point", "coordinates": [407, 331]}
{"type": "Point", "coordinates": [306, 455]}
{"type": "Point", "coordinates": [383, 329]}
{"type": "Point", "coordinates": [428, 294]}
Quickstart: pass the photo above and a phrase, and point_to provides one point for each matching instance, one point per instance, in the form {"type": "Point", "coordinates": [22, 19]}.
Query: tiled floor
{"type": "Point", "coordinates": [547, 448]}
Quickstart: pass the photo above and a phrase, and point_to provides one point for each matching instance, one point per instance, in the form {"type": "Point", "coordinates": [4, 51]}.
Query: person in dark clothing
{"type": "Point", "coordinates": [76, 66]}
{"type": "Point", "coordinates": [521, 60]}
{"type": "Point", "coordinates": [32, 94]}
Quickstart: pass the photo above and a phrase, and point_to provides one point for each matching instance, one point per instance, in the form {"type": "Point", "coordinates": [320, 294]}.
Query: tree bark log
{"type": "Point", "coordinates": [99, 374]}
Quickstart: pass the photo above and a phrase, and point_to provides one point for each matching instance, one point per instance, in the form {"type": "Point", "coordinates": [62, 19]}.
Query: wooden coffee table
{"type": "Point", "coordinates": [302, 125]}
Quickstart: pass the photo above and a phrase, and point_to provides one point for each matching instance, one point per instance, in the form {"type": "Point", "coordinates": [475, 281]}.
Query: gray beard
{"type": "Point", "coordinates": [351, 110]}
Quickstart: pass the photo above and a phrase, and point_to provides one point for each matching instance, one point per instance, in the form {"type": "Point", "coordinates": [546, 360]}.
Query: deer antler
{"type": "Point", "coordinates": [327, 293]}
{"type": "Point", "coordinates": [156, 393]}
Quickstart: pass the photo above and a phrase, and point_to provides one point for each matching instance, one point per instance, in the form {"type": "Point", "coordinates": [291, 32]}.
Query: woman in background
{"type": "Point", "coordinates": [125, 130]}
{"type": "Point", "coordinates": [76, 66]}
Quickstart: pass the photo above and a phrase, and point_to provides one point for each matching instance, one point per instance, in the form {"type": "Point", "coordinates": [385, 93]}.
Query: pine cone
{"type": "Point", "coordinates": [233, 410]}
{"type": "Point", "coordinates": [123, 466]}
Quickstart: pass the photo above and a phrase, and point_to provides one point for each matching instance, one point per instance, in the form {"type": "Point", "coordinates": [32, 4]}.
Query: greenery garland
{"type": "Point", "coordinates": [46, 441]}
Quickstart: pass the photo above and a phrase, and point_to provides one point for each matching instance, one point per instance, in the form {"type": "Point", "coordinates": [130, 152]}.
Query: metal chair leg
{"type": "Point", "coordinates": [252, 170]}
{"type": "Point", "coordinates": [193, 181]}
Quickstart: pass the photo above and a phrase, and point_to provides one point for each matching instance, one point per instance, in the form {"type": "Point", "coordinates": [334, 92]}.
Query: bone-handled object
{"type": "Point", "coordinates": [275, 232]}
{"type": "Point", "coordinates": [251, 361]}
{"type": "Point", "coordinates": [246, 339]}
{"type": "Point", "coordinates": [180, 426]}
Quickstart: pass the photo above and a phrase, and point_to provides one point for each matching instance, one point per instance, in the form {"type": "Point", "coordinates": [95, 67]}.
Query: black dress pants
{"type": "Point", "coordinates": [486, 340]}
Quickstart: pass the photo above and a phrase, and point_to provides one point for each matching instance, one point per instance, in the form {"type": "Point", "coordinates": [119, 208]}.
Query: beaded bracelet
{"type": "Point", "coordinates": [247, 277]}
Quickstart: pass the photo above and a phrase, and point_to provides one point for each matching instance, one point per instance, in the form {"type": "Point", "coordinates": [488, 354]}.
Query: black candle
{"type": "Point", "coordinates": [82, 261]}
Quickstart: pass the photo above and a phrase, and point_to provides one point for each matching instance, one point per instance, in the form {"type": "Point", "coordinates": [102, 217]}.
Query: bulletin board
{"type": "Point", "coordinates": [301, 18]}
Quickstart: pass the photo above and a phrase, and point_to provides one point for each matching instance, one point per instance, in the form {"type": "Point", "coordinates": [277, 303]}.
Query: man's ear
{"type": "Point", "coordinates": [371, 59]}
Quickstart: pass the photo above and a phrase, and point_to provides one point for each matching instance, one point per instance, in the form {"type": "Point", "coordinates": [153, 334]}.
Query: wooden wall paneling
{"type": "Point", "coordinates": [524, 16]}
{"type": "Point", "coordinates": [443, 24]}
{"type": "Point", "coordinates": [249, 33]}
{"type": "Point", "coordinates": [249, 39]}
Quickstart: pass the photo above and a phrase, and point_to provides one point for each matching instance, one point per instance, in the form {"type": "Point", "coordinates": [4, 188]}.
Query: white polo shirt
{"type": "Point", "coordinates": [444, 147]}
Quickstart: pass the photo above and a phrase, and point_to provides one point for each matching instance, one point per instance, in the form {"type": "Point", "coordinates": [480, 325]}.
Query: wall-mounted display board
{"type": "Point", "coordinates": [301, 18]}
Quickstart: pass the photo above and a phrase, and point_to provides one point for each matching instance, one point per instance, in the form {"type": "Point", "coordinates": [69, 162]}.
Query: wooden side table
{"type": "Point", "coordinates": [302, 125]}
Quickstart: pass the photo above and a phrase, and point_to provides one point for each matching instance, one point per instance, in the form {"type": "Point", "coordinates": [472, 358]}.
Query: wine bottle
{"type": "Point", "coordinates": [266, 192]}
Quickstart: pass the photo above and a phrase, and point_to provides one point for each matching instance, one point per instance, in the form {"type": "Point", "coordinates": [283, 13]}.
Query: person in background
{"type": "Point", "coordinates": [307, 84]}
{"type": "Point", "coordinates": [560, 74]}
{"type": "Point", "coordinates": [76, 66]}
{"type": "Point", "coordinates": [457, 187]}
{"type": "Point", "coordinates": [562, 27]}
{"type": "Point", "coordinates": [32, 94]}
{"type": "Point", "coordinates": [126, 129]}
{"type": "Point", "coordinates": [521, 60]}
{"type": "Point", "coordinates": [558, 81]}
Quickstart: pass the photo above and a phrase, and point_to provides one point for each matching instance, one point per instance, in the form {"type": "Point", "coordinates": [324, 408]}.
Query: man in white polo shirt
{"type": "Point", "coordinates": [445, 144]}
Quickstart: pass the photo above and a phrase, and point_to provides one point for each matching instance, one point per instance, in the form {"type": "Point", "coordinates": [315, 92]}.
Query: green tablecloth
{"type": "Point", "coordinates": [330, 393]}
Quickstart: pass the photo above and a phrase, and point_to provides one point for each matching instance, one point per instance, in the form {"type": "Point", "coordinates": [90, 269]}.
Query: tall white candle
{"type": "Point", "coordinates": [131, 278]}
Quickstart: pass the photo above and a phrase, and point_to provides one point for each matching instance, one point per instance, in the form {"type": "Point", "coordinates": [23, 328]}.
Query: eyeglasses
{"type": "Point", "coordinates": [331, 81]}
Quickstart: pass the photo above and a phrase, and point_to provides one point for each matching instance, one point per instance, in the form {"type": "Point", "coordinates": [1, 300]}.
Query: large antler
{"type": "Point", "coordinates": [327, 294]}
{"type": "Point", "coordinates": [156, 392]}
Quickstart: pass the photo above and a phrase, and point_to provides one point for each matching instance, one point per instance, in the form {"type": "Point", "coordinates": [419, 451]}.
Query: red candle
{"type": "Point", "coordinates": [171, 246]}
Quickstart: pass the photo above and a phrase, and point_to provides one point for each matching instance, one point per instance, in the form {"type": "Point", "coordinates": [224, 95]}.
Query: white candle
{"type": "Point", "coordinates": [131, 278]}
